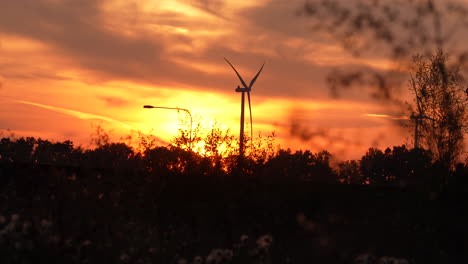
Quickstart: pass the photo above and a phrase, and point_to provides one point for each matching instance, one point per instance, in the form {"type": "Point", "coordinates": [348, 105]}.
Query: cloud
{"type": "Point", "coordinates": [281, 18]}
{"type": "Point", "coordinates": [151, 46]}
{"type": "Point", "coordinates": [78, 31]}
{"type": "Point", "coordinates": [113, 101]}
{"type": "Point", "coordinates": [213, 7]}
{"type": "Point", "coordinates": [78, 114]}
{"type": "Point", "coordinates": [107, 40]}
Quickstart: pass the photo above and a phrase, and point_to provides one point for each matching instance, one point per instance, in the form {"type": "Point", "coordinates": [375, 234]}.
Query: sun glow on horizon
{"type": "Point", "coordinates": [62, 74]}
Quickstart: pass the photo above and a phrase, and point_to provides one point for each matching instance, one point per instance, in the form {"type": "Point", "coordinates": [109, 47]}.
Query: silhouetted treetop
{"type": "Point", "coordinates": [440, 98]}
{"type": "Point", "coordinates": [388, 29]}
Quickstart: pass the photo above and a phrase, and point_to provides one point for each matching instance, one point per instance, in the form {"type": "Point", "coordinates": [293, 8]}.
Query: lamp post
{"type": "Point", "coordinates": [178, 109]}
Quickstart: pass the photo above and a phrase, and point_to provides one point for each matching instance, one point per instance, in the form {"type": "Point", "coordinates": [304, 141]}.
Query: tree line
{"type": "Point", "coordinates": [397, 166]}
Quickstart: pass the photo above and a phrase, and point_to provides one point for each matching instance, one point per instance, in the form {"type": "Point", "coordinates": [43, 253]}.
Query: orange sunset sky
{"type": "Point", "coordinates": [65, 65]}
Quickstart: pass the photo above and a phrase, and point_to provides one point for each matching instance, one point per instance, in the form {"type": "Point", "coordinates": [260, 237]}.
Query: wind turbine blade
{"type": "Point", "coordinates": [426, 117]}
{"type": "Point", "coordinates": [256, 76]}
{"type": "Point", "coordinates": [251, 126]}
{"type": "Point", "coordinates": [238, 75]}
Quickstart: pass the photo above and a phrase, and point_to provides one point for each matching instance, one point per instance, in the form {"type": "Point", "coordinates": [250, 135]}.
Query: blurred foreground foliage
{"type": "Point", "coordinates": [168, 204]}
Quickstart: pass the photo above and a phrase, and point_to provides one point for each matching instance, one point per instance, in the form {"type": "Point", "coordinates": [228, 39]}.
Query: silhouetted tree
{"type": "Point", "coordinates": [320, 168]}
{"type": "Point", "coordinates": [301, 165]}
{"type": "Point", "coordinates": [409, 166]}
{"type": "Point", "coordinates": [100, 136]}
{"type": "Point", "coordinates": [190, 132]}
{"type": "Point", "coordinates": [58, 153]}
{"type": "Point", "coordinates": [262, 148]}
{"type": "Point", "coordinates": [394, 29]}
{"type": "Point", "coordinates": [349, 172]}
{"type": "Point", "coordinates": [398, 166]}
{"type": "Point", "coordinates": [110, 155]}
{"type": "Point", "coordinates": [440, 95]}
{"type": "Point", "coordinates": [373, 167]}
{"type": "Point", "coordinates": [19, 150]}
{"type": "Point", "coordinates": [160, 160]}
{"type": "Point", "coordinates": [218, 144]}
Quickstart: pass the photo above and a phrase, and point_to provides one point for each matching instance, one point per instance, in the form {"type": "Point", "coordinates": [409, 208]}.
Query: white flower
{"type": "Point", "coordinates": [197, 260]}
{"type": "Point", "coordinates": [324, 241]}
{"type": "Point", "coordinates": [29, 244]}
{"type": "Point", "coordinates": [86, 243]}
{"type": "Point", "coordinates": [10, 227]}
{"type": "Point", "coordinates": [228, 254]}
{"type": "Point", "coordinates": [18, 245]}
{"type": "Point", "coordinates": [45, 223]}
{"type": "Point", "coordinates": [236, 246]}
{"type": "Point", "coordinates": [215, 256]}
{"type": "Point", "coordinates": [132, 250]}
{"type": "Point", "coordinates": [68, 242]}
{"type": "Point", "coordinates": [15, 217]}
{"type": "Point", "coordinates": [211, 257]}
{"type": "Point", "coordinates": [309, 226]}
{"type": "Point", "coordinates": [265, 241]}
{"type": "Point", "coordinates": [54, 239]}
{"type": "Point", "coordinates": [401, 261]}
{"type": "Point", "coordinates": [124, 257]}
{"type": "Point", "coordinates": [385, 260]}
{"type": "Point", "coordinates": [244, 237]}
{"type": "Point", "coordinates": [364, 259]}
{"type": "Point", "coordinates": [253, 252]}
{"type": "Point", "coordinates": [391, 260]}
{"type": "Point", "coordinates": [26, 226]}
{"type": "Point", "coordinates": [300, 218]}
{"type": "Point", "coordinates": [182, 261]}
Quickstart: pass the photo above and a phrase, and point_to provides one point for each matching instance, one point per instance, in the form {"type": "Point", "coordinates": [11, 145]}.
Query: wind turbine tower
{"type": "Point", "coordinates": [243, 90]}
{"type": "Point", "coordinates": [417, 119]}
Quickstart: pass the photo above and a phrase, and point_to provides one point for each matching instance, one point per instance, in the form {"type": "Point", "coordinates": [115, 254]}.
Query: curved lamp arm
{"type": "Point", "coordinates": [178, 109]}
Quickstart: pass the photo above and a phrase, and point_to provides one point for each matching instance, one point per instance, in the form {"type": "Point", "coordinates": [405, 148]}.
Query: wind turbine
{"type": "Point", "coordinates": [417, 119]}
{"type": "Point", "coordinates": [243, 90]}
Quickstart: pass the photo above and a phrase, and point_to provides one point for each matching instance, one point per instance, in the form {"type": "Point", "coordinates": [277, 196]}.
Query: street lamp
{"type": "Point", "coordinates": [178, 109]}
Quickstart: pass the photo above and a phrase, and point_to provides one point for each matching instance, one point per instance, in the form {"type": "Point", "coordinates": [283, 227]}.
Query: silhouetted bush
{"type": "Point", "coordinates": [397, 166]}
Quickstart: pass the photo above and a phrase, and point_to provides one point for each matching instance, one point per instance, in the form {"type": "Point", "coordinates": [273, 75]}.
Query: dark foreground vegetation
{"type": "Point", "coordinates": [111, 204]}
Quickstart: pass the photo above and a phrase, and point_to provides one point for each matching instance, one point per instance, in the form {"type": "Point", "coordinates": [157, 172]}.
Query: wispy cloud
{"type": "Point", "coordinates": [114, 101]}
{"type": "Point", "coordinates": [78, 114]}
{"type": "Point", "coordinates": [388, 116]}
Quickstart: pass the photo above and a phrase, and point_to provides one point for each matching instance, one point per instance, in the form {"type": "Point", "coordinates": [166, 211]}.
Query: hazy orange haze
{"type": "Point", "coordinates": [67, 64]}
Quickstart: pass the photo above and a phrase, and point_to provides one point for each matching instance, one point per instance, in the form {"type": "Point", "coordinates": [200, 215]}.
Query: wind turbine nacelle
{"type": "Point", "coordinates": [238, 89]}
{"type": "Point", "coordinates": [419, 117]}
